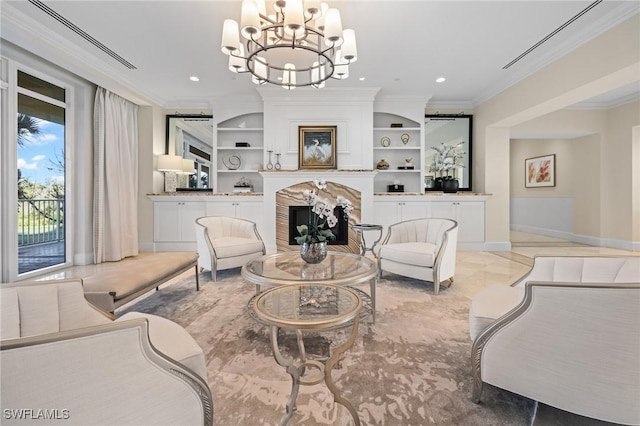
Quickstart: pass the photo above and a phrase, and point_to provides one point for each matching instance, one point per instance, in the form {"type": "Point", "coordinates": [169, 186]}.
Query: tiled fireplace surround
{"type": "Point", "coordinates": [285, 188]}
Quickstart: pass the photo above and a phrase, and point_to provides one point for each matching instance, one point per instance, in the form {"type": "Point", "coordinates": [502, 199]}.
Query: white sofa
{"type": "Point", "coordinates": [567, 334]}
{"type": "Point", "coordinates": [424, 249]}
{"type": "Point", "coordinates": [61, 354]}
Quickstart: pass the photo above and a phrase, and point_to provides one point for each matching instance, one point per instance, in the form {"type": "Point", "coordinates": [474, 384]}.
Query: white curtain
{"type": "Point", "coordinates": [115, 197]}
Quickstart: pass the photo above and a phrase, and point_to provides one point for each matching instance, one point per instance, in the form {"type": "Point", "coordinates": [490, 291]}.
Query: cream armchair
{"type": "Point", "coordinates": [226, 242]}
{"type": "Point", "coordinates": [424, 249]}
{"type": "Point", "coordinates": [567, 334]}
{"type": "Point", "coordinates": [60, 353]}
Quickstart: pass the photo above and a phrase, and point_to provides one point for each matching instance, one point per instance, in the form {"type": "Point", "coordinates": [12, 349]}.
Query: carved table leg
{"type": "Point", "coordinates": [293, 372]}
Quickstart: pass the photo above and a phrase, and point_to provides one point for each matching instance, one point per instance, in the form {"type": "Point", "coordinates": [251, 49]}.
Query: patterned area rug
{"type": "Point", "coordinates": [412, 367]}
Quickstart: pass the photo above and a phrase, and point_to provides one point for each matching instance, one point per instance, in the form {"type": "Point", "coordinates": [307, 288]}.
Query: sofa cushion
{"type": "Point", "coordinates": [172, 340]}
{"type": "Point", "coordinates": [490, 304]}
{"type": "Point", "coordinates": [236, 246]}
{"type": "Point", "coordinates": [413, 253]}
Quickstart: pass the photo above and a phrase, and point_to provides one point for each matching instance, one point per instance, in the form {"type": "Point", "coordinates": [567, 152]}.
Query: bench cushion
{"type": "Point", "coordinates": [128, 278]}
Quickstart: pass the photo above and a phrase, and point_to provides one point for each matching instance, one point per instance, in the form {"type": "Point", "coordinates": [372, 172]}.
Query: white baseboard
{"type": "Point", "coordinates": [479, 246]}
{"type": "Point", "coordinates": [581, 239]}
{"type": "Point", "coordinates": [497, 246]}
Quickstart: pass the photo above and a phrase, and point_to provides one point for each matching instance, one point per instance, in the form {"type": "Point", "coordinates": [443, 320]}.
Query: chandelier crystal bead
{"type": "Point", "coordinates": [296, 43]}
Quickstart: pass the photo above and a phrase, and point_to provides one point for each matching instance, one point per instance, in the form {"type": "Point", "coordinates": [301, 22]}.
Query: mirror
{"type": "Point", "coordinates": [191, 137]}
{"type": "Point", "coordinates": [447, 150]}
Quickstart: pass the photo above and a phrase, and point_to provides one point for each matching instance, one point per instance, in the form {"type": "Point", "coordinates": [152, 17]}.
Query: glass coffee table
{"type": "Point", "coordinates": [309, 307]}
{"type": "Point", "coordinates": [287, 268]}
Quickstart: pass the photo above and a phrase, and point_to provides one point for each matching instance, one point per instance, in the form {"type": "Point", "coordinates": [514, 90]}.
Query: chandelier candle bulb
{"type": "Point", "coordinates": [349, 48]}
{"type": "Point", "coordinates": [250, 20]}
{"type": "Point", "coordinates": [294, 19]}
{"type": "Point", "coordinates": [333, 28]}
{"type": "Point", "coordinates": [230, 38]}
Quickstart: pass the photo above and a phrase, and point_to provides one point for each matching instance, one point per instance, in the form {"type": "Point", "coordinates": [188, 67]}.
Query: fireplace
{"type": "Point", "coordinates": [299, 215]}
{"type": "Point", "coordinates": [290, 201]}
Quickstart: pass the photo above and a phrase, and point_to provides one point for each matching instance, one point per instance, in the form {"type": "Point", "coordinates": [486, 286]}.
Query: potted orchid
{"type": "Point", "coordinates": [448, 158]}
{"type": "Point", "coordinates": [315, 235]}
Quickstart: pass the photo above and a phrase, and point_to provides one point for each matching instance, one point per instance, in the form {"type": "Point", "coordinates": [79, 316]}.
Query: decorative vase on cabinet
{"type": "Point", "coordinates": [450, 185]}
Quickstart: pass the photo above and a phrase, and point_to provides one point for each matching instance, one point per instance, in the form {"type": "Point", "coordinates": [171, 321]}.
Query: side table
{"type": "Point", "coordinates": [360, 228]}
{"type": "Point", "coordinates": [314, 307]}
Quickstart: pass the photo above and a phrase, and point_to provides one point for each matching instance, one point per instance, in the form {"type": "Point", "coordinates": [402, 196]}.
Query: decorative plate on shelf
{"type": "Point", "coordinates": [385, 141]}
{"type": "Point", "coordinates": [404, 138]}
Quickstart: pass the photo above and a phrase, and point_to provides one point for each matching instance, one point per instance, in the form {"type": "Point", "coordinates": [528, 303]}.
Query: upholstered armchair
{"type": "Point", "coordinates": [567, 334]}
{"type": "Point", "coordinates": [424, 249]}
{"type": "Point", "coordinates": [60, 353]}
{"type": "Point", "coordinates": [226, 242]}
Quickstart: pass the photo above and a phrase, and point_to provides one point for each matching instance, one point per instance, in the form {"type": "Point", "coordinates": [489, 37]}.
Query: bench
{"type": "Point", "coordinates": [116, 283]}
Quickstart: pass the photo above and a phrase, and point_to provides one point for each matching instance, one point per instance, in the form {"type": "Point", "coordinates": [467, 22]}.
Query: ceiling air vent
{"type": "Point", "coordinates": [64, 21]}
{"type": "Point", "coordinates": [554, 32]}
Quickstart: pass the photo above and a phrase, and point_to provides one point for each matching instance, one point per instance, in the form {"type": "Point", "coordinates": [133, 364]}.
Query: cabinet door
{"type": "Point", "coordinates": [468, 214]}
{"type": "Point", "coordinates": [221, 208]}
{"type": "Point", "coordinates": [253, 211]}
{"type": "Point", "coordinates": [166, 221]}
{"type": "Point", "coordinates": [175, 221]}
{"type": "Point", "coordinates": [386, 213]}
{"type": "Point", "coordinates": [471, 221]}
{"type": "Point", "coordinates": [413, 210]}
{"type": "Point", "coordinates": [189, 212]}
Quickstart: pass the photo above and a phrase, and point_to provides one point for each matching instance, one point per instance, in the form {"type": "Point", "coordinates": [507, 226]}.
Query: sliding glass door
{"type": "Point", "coordinates": [40, 164]}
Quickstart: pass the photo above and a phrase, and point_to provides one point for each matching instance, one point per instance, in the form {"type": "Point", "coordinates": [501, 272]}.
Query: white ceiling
{"type": "Point", "coordinates": [403, 46]}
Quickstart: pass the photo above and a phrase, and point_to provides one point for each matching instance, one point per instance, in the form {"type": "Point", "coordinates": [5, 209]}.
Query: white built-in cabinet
{"type": "Point", "coordinates": [247, 129]}
{"type": "Point", "coordinates": [175, 216]}
{"type": "Point", "coordinates": [243, 207]}
{"type": "Point", "coordinates": [173, 223]}
{"type": "Point", "coordinates": [467, 210]}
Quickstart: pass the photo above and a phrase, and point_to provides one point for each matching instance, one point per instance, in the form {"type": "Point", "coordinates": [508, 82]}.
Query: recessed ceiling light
{"type": "Point", "coordinates": [194, 78]}
{"type": "Point", "coordinates": [362, 78]}
{"type": "Point", "coordinates": [440, 80]}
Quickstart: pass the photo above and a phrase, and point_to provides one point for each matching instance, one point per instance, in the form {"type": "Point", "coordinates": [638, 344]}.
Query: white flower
{"type": "Point", "coordinates": [320, 183]}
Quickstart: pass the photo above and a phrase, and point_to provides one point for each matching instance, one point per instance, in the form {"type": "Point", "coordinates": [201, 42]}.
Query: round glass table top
{"type": "Point", "coordinates": [307, 306]}
{"type": "Point", "coordinates": [288, 268]}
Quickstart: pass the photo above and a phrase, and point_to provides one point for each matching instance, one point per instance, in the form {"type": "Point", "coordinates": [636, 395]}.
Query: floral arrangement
{"type": "Point", "coordinates": [321, 215]}
{"type": "Point", "coordinates": [448, 158]}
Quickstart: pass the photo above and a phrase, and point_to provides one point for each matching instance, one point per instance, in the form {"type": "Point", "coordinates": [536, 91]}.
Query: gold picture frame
{"type": "Point", "coordinates": [317, 147]}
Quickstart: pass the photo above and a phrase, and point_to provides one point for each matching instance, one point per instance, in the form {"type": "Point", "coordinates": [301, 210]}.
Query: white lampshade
{"type": "Point", "coordinates": [238, 63]}
{"type": "Point", "coordinates": [294, 19]}
{"type": "Point", "coordinates": [312, 9]}
{"type": "Point", "coordinates": [349, 47]}
{"type": "Point", "coordinates": [320, 18]}
{"type": "Point", "coordinates": [230, 37]}
{"type": "Point", "coordinates": [289, 77]}
{"type": "Point", "coordinates": [340, 69]}
{"type": "Point", "coordinates": [187, 167]}
{"type": "Point", "coordinates": [169, 163]}
{"type": "Point", "coordinates": [332, 27]}
{"type": "Point", "coordinates": [262, 7]}
{"type": "Point", "coordinates": [250, 20]}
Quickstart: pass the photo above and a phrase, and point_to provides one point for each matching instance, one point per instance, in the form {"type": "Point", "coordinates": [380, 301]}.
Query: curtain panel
{"type": "Point", "coordinates": [115, 204]}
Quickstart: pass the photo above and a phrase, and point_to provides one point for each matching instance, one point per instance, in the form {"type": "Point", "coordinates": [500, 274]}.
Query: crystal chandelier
{"type": "Point", "coordinates": [300, 43]}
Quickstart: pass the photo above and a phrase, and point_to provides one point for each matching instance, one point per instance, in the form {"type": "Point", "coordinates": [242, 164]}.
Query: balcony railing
{"type": "Point", "coordinates": [40, 221]}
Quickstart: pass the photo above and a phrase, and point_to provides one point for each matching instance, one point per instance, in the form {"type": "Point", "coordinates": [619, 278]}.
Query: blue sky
{"type": "Point", "coordinates": [37, 153]}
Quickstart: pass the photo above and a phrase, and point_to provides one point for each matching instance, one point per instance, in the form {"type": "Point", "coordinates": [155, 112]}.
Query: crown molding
{"type": "Point", "coordinates": [632, 97]}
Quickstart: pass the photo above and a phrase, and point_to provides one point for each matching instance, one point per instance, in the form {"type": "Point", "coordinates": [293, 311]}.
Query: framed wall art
{"type": "Point", "coordinates": [317, 147]}
{"type": "Point", "coordinates": [540, 171]}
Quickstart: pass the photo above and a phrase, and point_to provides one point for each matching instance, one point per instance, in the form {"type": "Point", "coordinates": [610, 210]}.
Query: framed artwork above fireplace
{"type": "Point", "coordinates": [317, 147]}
